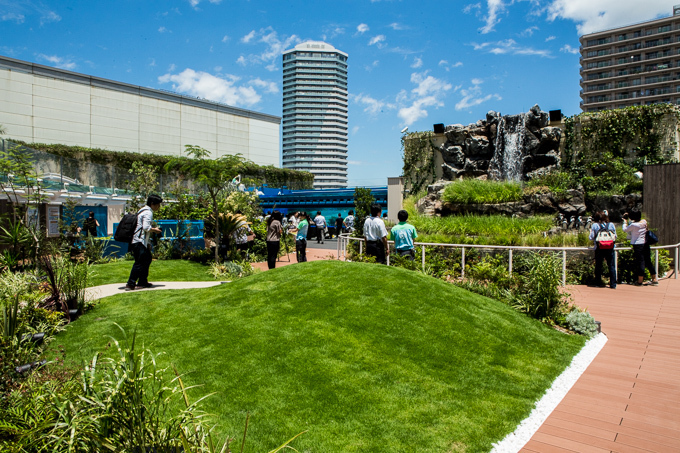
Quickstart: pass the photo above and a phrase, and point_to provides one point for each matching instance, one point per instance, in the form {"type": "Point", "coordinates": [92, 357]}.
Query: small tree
{"type": "Point", "coordinates": [214, 175]}
{"type": "Point", "coordinates": [143, 183]}
{"type": "Point", "coordinates": [363, 199]}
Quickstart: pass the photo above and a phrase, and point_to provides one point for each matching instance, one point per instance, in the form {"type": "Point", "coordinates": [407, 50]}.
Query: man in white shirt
{"type": "Point", "coordinates": [320, 222]}
{"type": "Point", "coordinates": [140, 248]}
{"type": "Point", "coordinates": [376, 235]}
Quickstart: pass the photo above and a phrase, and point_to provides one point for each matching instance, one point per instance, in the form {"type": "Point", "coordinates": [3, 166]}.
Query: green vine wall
{"type": "Point", "coordinates": [419, 160]}
{"type": "Point", "coordinates": [254, 173]}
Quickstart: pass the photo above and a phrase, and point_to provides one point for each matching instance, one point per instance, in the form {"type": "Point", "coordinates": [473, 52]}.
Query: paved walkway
{"type": "Point", "coordinates": [628, 400]}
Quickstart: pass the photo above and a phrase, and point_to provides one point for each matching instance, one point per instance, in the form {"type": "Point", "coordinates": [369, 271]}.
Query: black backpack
{"type": "Point", "coordinates": [126, 228]}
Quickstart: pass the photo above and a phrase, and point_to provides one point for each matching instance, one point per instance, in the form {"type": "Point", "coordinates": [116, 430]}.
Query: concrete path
{"type": "Point", "coordinates": [97, 292]}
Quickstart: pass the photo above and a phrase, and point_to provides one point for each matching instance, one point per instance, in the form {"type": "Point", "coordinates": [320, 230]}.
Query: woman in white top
{"type": "Point", "coordinates": [636, 229]}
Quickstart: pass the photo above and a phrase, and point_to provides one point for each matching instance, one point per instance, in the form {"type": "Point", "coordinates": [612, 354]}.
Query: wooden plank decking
{"type": "Point", "coordinates": [628, 400]}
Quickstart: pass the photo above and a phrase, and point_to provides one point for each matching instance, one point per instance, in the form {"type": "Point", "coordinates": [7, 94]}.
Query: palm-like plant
{"type": "Point", "coordinates": [229, 223]}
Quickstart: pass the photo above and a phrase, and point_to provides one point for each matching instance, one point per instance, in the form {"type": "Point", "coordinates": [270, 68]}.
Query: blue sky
{"type": "Point", "coordinates": [410, 63]}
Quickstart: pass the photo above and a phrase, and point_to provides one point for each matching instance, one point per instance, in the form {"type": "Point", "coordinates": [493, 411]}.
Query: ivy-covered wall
{"type": "Point", "coordinates": [420, 168]}
{"type": "Point", "coordinates": [636, 135]}
{"type": "Point", "coordinates": [105, 168]}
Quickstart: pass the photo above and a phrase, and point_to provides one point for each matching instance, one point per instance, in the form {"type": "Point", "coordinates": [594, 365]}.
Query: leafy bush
{"type": "Point", "coordinates": [231, 269]}
{"type": "Point", "coordinates": [581, 322]}
{"type": "Point", "coordinates": [475, 191]}
{"type": "Point", "coordinates": [539, 294]}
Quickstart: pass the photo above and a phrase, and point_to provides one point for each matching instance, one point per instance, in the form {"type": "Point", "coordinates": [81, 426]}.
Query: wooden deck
{"type": "Point", "coordinates": [628, 400]}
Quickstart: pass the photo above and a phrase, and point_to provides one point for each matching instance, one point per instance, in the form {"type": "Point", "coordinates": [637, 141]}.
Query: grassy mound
{"type": "Point", "coordinates": [365, 357]}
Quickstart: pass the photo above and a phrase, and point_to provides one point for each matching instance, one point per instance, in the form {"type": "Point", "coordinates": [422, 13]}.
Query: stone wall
{"type": "Point", "coordinates": [498, 145]}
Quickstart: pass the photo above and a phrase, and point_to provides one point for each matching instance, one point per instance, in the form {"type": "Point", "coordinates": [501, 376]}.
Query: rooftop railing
{"type": "Point", "coordinates": [344, 240]}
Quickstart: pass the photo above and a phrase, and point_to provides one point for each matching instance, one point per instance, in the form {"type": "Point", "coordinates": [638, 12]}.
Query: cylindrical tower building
{"type": "Point", "coordinates": [315, 113]}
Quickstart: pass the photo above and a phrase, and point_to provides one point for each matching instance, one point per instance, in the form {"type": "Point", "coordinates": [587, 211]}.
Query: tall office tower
{"type": "Point", "coordinates": [632, 65]}
{"type": "Point", "coordinates": [315, 113]}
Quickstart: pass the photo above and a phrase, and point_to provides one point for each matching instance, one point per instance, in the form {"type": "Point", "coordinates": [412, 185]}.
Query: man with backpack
{"type": "Point", "coordinates": [603, 233]}
{"type": "Point", "coordinates": [139, 245]}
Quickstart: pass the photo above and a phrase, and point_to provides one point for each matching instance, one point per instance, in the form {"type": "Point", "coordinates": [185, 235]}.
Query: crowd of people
{"type": "Point", "coordinates": [602, 233]}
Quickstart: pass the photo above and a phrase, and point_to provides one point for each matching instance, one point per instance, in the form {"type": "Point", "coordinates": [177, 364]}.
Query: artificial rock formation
{"type": "Point", "coordinates": [510, 147]}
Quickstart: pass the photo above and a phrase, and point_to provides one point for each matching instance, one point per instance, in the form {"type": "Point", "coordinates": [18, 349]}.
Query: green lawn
{"type": "Point", "coordinates": [166, 270]}
{"type": "Point", "coordinates": [366, 358]}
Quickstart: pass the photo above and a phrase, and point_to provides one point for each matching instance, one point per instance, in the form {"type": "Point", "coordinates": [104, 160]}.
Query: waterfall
{"type": "Point", "coordinates": [508, 158]}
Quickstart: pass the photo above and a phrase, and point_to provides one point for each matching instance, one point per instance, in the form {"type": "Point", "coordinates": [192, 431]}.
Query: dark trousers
{"type": "Point", "coordinates": [140, 270]}
{"type": "Point", "coordinates": [608, 256]}
{"type": "Point", "coordinates": [319, 234]}
{"type": "Point", "coordinates": [272, 253]}
{"type": "Point", "coordinates": [301, 250]}
{"type": "Point", "coordinates": [377, 249]}
{"type": "Point", "coordinates": [409, 254]}
{"type": "Point", "coordinates": [643, 259]}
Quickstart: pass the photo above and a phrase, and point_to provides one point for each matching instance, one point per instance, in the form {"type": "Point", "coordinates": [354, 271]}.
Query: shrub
{"type": "Point", "coordinates": [539, 293]}
{"type": "Point", "coordinates": [231, 269]}
{"type": "Point", "coordinates": [475, 191]}
{"type": "Point", "coordinates": [581, 322]}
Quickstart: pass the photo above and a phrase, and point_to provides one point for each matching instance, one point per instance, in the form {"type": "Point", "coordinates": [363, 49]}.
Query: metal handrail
{"type": "Point", "coordinates": [344, 238]}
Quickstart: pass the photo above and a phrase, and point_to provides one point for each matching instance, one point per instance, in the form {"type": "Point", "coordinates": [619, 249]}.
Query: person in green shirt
{"type": "Point", "coordinates": [403, 235]}
{"type": "Point", "coordinates": [301, 238]}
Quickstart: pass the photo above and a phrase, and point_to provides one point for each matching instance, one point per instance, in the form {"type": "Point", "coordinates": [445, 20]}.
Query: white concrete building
{"type": "Point", "coordinates": [40, 104]}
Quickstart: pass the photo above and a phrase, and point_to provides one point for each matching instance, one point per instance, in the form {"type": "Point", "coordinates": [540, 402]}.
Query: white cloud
{"type": "Point", "coordinates": [372, 106]}
{"type": "Point", "coordinates": [269, 87]}
{"type": "Point", "coordinates": [49, 16]}
{"type": "Point", "coordinates": [207, 86]}
{"type": "Point", "coordinates": [494, 9]}
{"type": "Point", "coordinates": [19, 11]}
{"type": "Point", "coordinates": [397, 26]}
{"type": "Point", "coordinates": [568, 49]}
{"type": "Point", "coordinates": [152, 63]}
{"type": "Point", "coordinates": [362, 28]}
{"type": "Point", "coordinates": [249, 37]}
{"type": "Point", "coordinates": [373, 65]}
{"type": "Point", "coordinates": [225, 38]}
{"type": "Point", "coordinates": [529, 31]}
{"type": "Point", "coordinates": [591, 16]}
{"type": "Point", "coordinates": [429, 92]}
{"type": "Point", "coordinates": [18, 18]}
{"type": "Point", "coordinates": [355, 129]}
{"type": "Point", "coordinates": [194, 3]}
{"type": "Point", "coordinates": [510, 46]}
{"type": "Point", "coordinates": [550, 38]}
{"type": "Point", "coordinates": [473, 96]}
{"type": "Point", "coordinates": [172, 67]}
{"type": "Point", "coordinates": [275, 46]}
{"type": "Point", "coordinates": [379, 40]}
{"type": "Point", "coordinates": [417, 63]}
{"type": "Point", "coordinates": [472, 7]}
{"type": "Point", "coordinates": [445, 65]}
{"type": "Point", "coordinates": [58, 62]}
{"type": "Point", "coordinates": [163, 30]}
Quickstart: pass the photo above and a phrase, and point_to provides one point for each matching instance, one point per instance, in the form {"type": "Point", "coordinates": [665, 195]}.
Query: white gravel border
{"type": "Point", "coordinates": [516, 440]}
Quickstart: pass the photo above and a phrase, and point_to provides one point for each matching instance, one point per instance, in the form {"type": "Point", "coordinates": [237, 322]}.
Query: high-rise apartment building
{"type": "Point", "coordinates": [315, 113]}
{"type": "Point", "coordinates": [633, 65]}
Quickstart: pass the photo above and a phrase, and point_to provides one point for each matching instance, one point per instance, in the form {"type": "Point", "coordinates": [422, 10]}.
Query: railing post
{"type": "Point", "coordinates": [338, 247]}
{"type": "Point", "coordinates": [564, 268]}
{"type": "Point", "coordinates": [462, 269]}
{"type": "Point", "coordinates": [361, 247]}
{"type": "Point", "coordinates": [510, 263]}
{"type": "Point", "coordinates": [423, 257]}
{"type": "Point", "coordinates": [677, 250]}
{"type": "Point", "coordinates": [656, 262]}
{"type": "Point", "coordinates": [616, 263]}
{"type": "Point", "coordinates": [387, 257]}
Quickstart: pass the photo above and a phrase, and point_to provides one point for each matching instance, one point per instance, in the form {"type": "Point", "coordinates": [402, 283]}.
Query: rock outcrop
{"type": "Point", "coordinates": [515, 147]}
